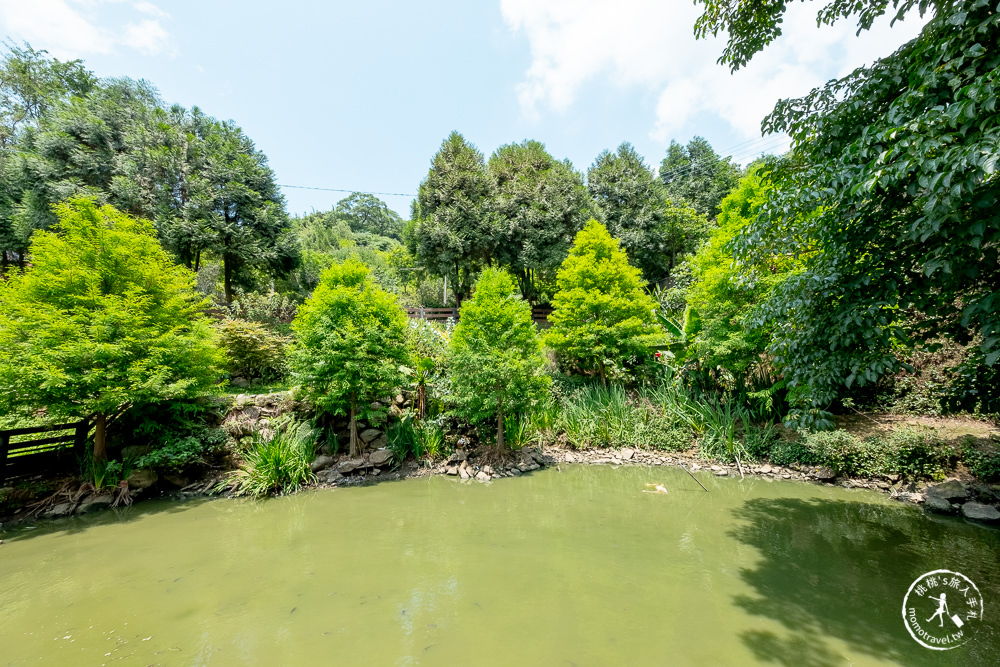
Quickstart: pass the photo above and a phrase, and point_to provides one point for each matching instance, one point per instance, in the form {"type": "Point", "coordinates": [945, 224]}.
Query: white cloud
{"type": "Point", "coordinates": [650, 44]}
{"type": "Point", "coordinates": [147, 37]}
{"type": "Point", "coordinates": [78, 28]}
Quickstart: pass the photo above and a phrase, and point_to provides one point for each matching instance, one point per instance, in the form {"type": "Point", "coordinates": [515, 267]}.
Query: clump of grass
{"type": "Point", "coordinates": [277, 462]}
{"type": "Point", "coordinates": [419, 439]}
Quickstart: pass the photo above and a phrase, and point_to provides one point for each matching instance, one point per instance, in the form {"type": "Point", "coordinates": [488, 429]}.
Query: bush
{"type": "Point", "coordinates": [278, 463]}
{"type": "Point", "coordinates": [181, 434]}
{"type": "Point", "coordinates": [419, 439]}
{"type": "Point", "coordinates": [272, 309]}
{"type": "Point", "coordinates": [983, 462]}
{"type": "Point", "coordinates": [252, 351]}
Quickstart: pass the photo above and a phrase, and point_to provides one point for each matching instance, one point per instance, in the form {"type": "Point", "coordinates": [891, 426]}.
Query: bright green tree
{"type": "Point", "coordinates": [891, 190]}
{"type": "Point", "coordinates": [541, 203]}
{"type": "Point", "coordinates": [101, 320]}
{"type": "Point", "coordinates": [350, 344]}
{"type": "Point", "coordinates": [495, 360]}
{"type": "Point", "coordinates": [602, 312]}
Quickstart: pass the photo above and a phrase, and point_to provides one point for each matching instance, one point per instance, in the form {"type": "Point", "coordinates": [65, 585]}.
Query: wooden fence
{"type": "Point", "coordinates": [17, 458]}
{"type": "Point", "coordinates": [539, 314]}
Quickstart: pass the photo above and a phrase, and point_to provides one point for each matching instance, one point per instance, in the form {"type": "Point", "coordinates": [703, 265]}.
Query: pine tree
{"type": "Point", "coordinates": [601, 311]}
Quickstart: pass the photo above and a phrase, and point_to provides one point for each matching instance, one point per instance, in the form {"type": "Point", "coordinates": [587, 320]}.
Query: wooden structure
{"type": "Point", "coordinates": [539, 314]}
{"type": "Point", "coordinates": [17, 458]}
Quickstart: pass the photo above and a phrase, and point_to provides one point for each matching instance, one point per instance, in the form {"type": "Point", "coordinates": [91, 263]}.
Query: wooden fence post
{"type": "Point", "coordinates": [80, 438]}
{"type": "Point", "coordinates": [4, 444]}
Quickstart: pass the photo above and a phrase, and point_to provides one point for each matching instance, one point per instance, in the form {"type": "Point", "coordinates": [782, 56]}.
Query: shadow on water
{"type": "Point", "coordinates": [74, 525]}
{"type": "Point", "coordinates": [836, 568]}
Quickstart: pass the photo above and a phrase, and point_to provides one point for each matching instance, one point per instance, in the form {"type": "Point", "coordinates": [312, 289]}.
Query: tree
{"type": "Point", "coordinates": [31, 84]}
{"type": "Point", "coordinates": [495, 360]}
{"type": "Point", "coordinates": [696, 175]}
{"type": "Point", "coordinates": [350, 343]}
{"type": "Point", "coordinates": [601, 312]}
{"type": "Point", "coordinates": [365, 213]}
{"type": "Point", "coordinates": [541, 204]}
{"type": "Point", "coordinates": [890, 193]}
{"type": "Point", "coordinates": [726, 297]}
{"type": "Point", "coordinates": [631, 202]}
{"type": "Point", "coordinates": [455, 235]}
{"type": "Point", "coordinates": [101, 320]}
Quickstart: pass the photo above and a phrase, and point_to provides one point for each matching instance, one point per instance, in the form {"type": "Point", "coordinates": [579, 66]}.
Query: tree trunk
{"type": "Point", "coordinates": [604, 379]}
{"type": "Point", "coordinates": [354, 431]}
{"type": "Point", "coordinates": [421, 401]}
{"type": "Point", "coordinates": [228, 278]}
{"type": "Point", "coordinates": [100, 432]}
{"type": "Point", "coordinates": [501, 440]}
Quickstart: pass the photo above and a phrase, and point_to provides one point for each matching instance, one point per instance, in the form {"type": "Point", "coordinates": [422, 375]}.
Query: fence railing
{"type": "Point", "coordinates": [539, 314]}
{"type": "Point", "coordinates": [15, 454]}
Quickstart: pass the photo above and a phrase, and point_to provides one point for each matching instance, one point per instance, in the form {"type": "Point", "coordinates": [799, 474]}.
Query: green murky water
{"type": "Point", "coordinates": [570, 567]}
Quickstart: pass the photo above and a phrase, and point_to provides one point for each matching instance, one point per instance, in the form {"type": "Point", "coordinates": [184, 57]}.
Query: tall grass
{"type": "Point", "coordinates": [276, 463]}
{"type": "Point", "coordinates": [419, 439]}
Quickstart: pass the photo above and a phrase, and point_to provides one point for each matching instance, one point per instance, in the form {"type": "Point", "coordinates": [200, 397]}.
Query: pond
{"type": "Point", "coordinates": [569, 566]}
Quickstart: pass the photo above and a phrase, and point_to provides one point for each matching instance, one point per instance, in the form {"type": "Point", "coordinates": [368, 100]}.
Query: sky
{"type": "Point", "coordinates": [358, 96]}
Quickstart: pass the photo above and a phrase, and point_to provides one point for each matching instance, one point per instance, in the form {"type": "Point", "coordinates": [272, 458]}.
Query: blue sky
{"type": "Point", "coordinates": [359, 96]}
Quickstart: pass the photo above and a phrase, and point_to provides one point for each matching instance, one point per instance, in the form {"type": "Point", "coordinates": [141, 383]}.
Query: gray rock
{"type": "Point", "coordinates": [370, 434]}
{"type": "Point", "coordinates": [94, 503]}
{"type": "Point", "coordinates": [939, 505]}
{"type": "Point", "coordinates": [376, 406]}
{"type": "Point", "coordinates": [242, 383]}
{"type": "Point", "coordinates": [765, 470]}
{"type": "Point", "coordinates": [350, 465]}
{"type": "Point", "coordinates": [721, 473]}
{"type": "Point", "coordinates": [488, 470]}
{"type": "Point", "coordinates": [980, 512]}
{"type": "Point", "coordinates": [320, 463]}
{"type": "Point", "coordinates": [823, 473]}
{"type": "Point", "coordinates": [329, 476]}
{"type": "Point", "coordinates": [399, 399]}
{"type": "Point", "coordinates": [380, 457]}
{"type": "Point", "coordinates": [627, 454]}
{"type": "Point", "coordinates": [141, 479]}
{"type": "Point", "coordinates": [893, 477]}
{"type": "Point", "coordinates": [379, 442]}
{"type": "Point", "coordinates": [451, 470]}
{"type": "Point", "coordinates": [177, 480]}
{"type": "Point", "coordinates": [482, 476]}
{"type": "Point", "coordinates": [62, 509]}
{"type": "Point", "coordinates": [458, 456]}
{"type": "Point", "coordinates": [464, 473]}
{"type": "Point", "coordinates": [950, 490]}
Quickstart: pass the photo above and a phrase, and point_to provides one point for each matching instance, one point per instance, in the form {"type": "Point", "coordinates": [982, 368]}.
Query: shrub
{"type": "Point", "coordinates": [272, 309]}
{"type": "Point", "coordinates": [276, 463]}
{"type": "Point", "coordinates": [983, 462]}
{"type": "Point", "coordinates": [252, 351]}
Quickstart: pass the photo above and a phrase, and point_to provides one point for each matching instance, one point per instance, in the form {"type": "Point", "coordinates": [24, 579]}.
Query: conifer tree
{"type": "Point", "coordinates": [102, 319]}
{"type": "Point", "coordinates": [350, 344]}
{"type": "Point", "coordinates": [496, 361]}
{"type": "Point", "coordinates": [601, 311]}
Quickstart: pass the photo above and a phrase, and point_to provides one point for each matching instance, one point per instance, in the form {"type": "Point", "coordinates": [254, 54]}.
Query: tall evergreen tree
{"type": "Point", "coordinates": [455, 234]}
{"type": "Point", "coordinates": [696, 175]}
{"type": "Point", "coordinates": [541, 203]}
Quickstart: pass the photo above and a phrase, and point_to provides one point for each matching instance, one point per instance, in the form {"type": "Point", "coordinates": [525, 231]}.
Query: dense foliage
{"type": "Point", "coordinates": [495, 359]}
{"type": "Point", "coordinates": [350, 343]}
{"type": "Point", "coordinates": [889, 195]}
{"type": "Point", "coordinates": [601, 313]}
{"type": "Point", "coordinates": [101, 320]}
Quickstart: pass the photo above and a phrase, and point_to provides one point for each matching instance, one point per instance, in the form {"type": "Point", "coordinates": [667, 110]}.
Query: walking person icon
{"type": "Point", "coordinates": [941, 610]}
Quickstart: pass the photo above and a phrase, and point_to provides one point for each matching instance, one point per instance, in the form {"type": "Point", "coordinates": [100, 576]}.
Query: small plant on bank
{"type": "Point", "coordinates": [495, 359]}
{"type": "Point", "coordinates": [350, 345]}
{"type": "Point", "coordinates": [276, 462]}
{"type": "Point", "coordinates": [252, 351]}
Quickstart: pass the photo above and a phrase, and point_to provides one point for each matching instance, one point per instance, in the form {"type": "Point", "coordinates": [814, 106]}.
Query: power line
{"type": "Point", "coordinates": [363, 192]}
